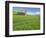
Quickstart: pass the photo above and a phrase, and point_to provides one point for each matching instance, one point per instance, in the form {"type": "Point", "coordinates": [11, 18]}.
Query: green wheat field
{"type": "Point", "coordinates": [22, 22]}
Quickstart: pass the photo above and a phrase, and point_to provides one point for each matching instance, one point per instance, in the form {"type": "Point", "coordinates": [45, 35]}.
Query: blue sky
{"type": "Point", "coordinates": [31, 10]}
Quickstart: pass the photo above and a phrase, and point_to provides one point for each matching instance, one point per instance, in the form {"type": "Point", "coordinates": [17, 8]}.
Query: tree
{"type": "Point", "coordinates": [20, 13]}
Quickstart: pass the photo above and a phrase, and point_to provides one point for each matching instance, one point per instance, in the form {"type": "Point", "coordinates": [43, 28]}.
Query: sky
{"type": "Point", "coordinates": [29, 10]}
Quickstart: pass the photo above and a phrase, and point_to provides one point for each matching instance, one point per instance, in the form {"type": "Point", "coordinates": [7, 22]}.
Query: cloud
{"type": "Point", "coordinates": [37, 13]}
{"type": "Point", "coordinates": [30, 13]}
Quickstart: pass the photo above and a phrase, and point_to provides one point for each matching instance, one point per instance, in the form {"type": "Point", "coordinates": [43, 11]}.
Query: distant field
{"type": "Point", "coordinates": [21, 22]}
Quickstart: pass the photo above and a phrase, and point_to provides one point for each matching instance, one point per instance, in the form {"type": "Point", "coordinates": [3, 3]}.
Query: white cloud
{"type": "Point", "coordinates": [37, 13]}
{"type": "Point", "coordinates": [29, 13]}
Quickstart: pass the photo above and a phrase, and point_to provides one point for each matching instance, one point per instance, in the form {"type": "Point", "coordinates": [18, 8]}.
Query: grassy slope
{"type": "Point", "coordinates": [26, 22]}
